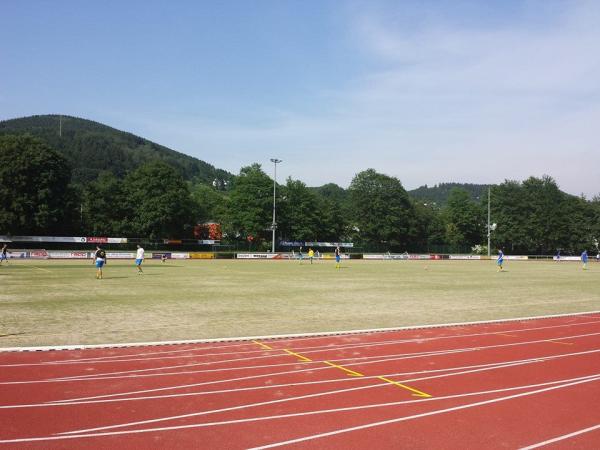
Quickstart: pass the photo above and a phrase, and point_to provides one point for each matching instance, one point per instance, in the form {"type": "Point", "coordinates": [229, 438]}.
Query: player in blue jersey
{"type": "Point", "coordinates": [3, 254]}
{"type": "Point", "coordinates": [500, 260]}
{"type": "Point", "coordinates": [584, 259]}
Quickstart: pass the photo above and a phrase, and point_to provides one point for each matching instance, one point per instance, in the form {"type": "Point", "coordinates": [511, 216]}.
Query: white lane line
{"type": "Point", "coordinates": [118, 358]}
{"type": "Point", "coordinates": [291, 399]}
{"type": "Point", "coordinates": [453, 371]}
{"type": "Point", "coordinates": [108, 375]}
{"type": "Point", "coordinates": [136, 372]}
{"type": "Point", "coordinates": [296, 336]}
{"type": "Point", "coordinates": [417, 416]}
{"type": "Point", "coordinates": [561, 438]}
{"type": "Point", "coordinates": [346, 361]}
{"type": "Point", "coordinates": [268, 375]}
{"type": "Point", "coordinates": [104, 399]}
{"type": "Point", "coordinates": [559, 383]}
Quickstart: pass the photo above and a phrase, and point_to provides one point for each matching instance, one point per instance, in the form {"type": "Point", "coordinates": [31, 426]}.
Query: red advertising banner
{"type": "Point", "coordinates": [97, 240]}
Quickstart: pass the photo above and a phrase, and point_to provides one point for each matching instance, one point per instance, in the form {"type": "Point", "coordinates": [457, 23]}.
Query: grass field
{"type": "Point", "coordinates": [61, 302]}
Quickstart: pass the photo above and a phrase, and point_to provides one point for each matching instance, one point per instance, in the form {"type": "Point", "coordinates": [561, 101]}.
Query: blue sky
{"type": "Point", "coordinates": [427, 91]}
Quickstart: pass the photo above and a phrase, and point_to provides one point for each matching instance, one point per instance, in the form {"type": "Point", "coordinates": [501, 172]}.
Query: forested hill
{"type": "Point", "coordinates": [91, 147]}
{"type": "Point", "coordinates": [440, 192]}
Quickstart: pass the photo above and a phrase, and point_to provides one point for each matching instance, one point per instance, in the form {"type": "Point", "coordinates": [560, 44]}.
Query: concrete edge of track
{"type": "Point", "coordinates": [282, 336]}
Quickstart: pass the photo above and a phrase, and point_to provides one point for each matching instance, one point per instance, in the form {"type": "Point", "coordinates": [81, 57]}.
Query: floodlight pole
{"type": "Point", "coordinates": [275, 161]}
{"type": "Point", "coordinates": [489, 230]}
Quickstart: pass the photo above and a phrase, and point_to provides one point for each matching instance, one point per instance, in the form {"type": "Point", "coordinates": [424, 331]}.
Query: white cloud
{"type": "Point", "coordinates": [439, 102]}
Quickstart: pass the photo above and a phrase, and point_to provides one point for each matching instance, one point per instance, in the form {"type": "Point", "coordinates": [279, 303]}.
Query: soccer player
{"type": "Point", "coordinates": [139, 259]}
{"type": "Point", "coordinates": [500, 260]}
{"type": "Point", "coordinates": [3, 256]}
{"type": "Point", "coordinates": [99, 260]}
{"type": "Point", "coordinates": [584, 259]}
{"type": "Point", "coordinates": [311, 254]}
{"type": "Point", "coordinates": [300, 255]}
{"type": "Point", "coordinates": [558, 255]}
{"type": "Point", "coordinates": [337, 257]}
{"type": "Point", "coordinates": [163, 257]}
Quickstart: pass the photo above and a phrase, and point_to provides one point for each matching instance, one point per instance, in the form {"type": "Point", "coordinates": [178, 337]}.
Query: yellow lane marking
{"type": "Point", "coordinates": [300, 357]}
{"type": "Point", "coordinates": [504, 334]}
{"type": "Point", "coordinates": [415, 392]}
{"type": "Point", "coordinates": [351, 373]}
{"type": "Point", "coordinates": [561, 343]}
{"type": "Point", "coordinates": [265, 346]}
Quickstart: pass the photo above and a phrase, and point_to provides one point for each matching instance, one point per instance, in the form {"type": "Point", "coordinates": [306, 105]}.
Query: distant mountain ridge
{"type": "Point", "coordinates": [439, 193]}
{"type": "Point", "coordinates": [91, 147]}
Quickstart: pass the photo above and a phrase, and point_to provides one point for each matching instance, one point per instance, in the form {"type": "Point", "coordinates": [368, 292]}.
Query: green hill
{"type": "Point", "coordinates": [439, 193]}
{"type": "Point", "coordinates": [332, 192]}
{"type": "Point", "coordinates": [92, 147]}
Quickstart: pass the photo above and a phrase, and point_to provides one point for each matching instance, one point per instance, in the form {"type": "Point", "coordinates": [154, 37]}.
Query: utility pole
{"type": "Point", "coordinates": [60, 126]}
{"type": "Point", "coordinates": [489, 227]}
{"type": "Point", "coordinates": [275, 161]}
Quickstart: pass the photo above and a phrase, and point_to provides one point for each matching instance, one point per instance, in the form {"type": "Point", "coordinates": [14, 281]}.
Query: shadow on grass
{"type": "Point", "coordinates": [11, 334]}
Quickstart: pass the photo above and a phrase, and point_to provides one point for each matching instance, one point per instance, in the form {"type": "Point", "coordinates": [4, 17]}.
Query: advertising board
{"type": "Point", "coordinates": [262, 256]}
{"type": "Point", "coordinates": [17, 254]}
{"type": "Point", "coordinates": [120, 255]}
{"type": "Point", "coordinates": [198, 255]}
{"type": "Point", "coordinates": [54, 254]}
{"type": "Point", "coordinates": [36, 254]}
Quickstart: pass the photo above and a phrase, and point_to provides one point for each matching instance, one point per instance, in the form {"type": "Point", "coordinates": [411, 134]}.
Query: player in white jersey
{"type": "Point", "coordinates": [139, 259]}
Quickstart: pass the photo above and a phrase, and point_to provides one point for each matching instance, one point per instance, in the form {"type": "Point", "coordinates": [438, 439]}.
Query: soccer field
{"type": "Point", "coordinates": [60, 302]}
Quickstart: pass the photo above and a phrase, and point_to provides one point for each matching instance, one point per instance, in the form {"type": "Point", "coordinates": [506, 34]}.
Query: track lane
{"type": "Point", "coordinates": [484, 344]}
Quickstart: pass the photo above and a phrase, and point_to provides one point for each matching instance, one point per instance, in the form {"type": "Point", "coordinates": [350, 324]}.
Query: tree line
{"type": "Point", "coordinates": [39, 197]}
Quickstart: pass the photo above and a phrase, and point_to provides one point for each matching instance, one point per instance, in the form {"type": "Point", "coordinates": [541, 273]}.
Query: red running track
{"type": "Point", "coordinates": [517, 384]}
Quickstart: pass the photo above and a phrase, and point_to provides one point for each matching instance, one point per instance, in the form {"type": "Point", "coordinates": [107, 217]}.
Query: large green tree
{"type": "Point", "coordinates": [210, 203]}
{"type": "Point", "coordinates": [105, 206]}
{"type": "Point", "coordinates": [536, 217]}
{"type": "Point", "coordinates": [381, 210]}
{"type": "Point", "coordinates": [158, 202]}
{"type": "Point", "coordinates": [250, 204]}
{"type": "Point", "coordinates": [464, 219]}
{"type": "Point", "coordinates": [34, 187]}
{"type": "Point", "coordinates": [427, 230]}
{"type": "Point", "coordinates": [299, 219]}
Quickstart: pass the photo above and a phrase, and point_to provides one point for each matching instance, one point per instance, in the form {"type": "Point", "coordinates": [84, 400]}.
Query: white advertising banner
{"type": "Point", "coordinates": [37, 254]}
{"type": "Point", "coordinates": [568, 258]}
{"type": "Point", "coordinates": [465, 257]}
{"type": "Point", "coordinates": [78, 239]}
{"type": "Point", "coordinates": [116, 240]}
{"type": "Point", "coordinates": [120, 255]}
{"type": "Point", "coordinates": [329, 244]}
{"type": "Point", "coordinates": [53, 254]}
{"type": "Point", "coordinates": [389, 256]}
{"type": "Point", "coordinates": [16, 254]}
{"type": "Point", "coordinates": [262, 256]}
{"type": "Point", "coordinates": [66, 239]}
{"type": "Point", "coordinates": [180, 255]}
{"type": "Point", "coordinates": [372, 256]}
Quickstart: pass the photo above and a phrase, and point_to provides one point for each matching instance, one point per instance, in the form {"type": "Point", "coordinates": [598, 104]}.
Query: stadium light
{"type": "Point", "coordinates": [490, 226]}
{"type": "Point", "coordinates": [275, 161]}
